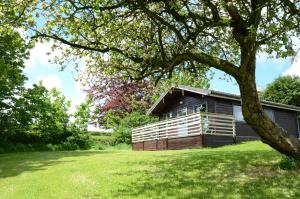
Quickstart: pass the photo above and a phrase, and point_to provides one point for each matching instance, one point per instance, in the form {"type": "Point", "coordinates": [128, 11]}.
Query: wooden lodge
{"type": "Point", "coordinates": [192, 118]}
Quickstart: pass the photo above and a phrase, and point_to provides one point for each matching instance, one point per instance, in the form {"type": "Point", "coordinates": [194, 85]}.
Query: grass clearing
{"type": "Point", "coordinates": [248, 170]}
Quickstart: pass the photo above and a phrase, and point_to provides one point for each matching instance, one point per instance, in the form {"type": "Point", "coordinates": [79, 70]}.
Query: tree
{"type": "Point", "coordinates": [13, 51]}
{"type": "Point", "coordinates": [154, 38]}
{"type": "Point", "coordinates": [285, 90]}
{"type": "Point", "coordinates": [116, 93]}
{"type": "Point", "coordinates": [43, 113]}
{"type": "Point", "coordinates": [82, 115]}
{"type": "Point", "coordinates": [181, 78]}
{"type": "Point", "coordinates": [122, 126]}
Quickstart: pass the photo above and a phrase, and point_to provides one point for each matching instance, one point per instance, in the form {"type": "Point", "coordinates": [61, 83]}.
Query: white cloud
{"type": "Point", "coordinates": [264, 60]}
{"type": "Point", "coordinates": [295, 67]}
{"type": "Point", "coordinates": [51, 81]}
{"type": "Point", "coordinates": [41, 54]}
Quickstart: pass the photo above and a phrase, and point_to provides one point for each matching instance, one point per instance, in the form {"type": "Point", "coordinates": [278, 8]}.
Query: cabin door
{"type": "Point", "coordinates": [182, 130]}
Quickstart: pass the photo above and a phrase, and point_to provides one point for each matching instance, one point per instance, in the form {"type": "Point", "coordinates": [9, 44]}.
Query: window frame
{"type": "Point", "coordinates": [272, 116]}
{"type": "Point", "coordinates": [240, 114]}
{"type": "Point", "coordinates": [199, 105]}
{"type": "Point", "coordinates": [180, 109]}
{"type": "Point", "coordinates": [168, 115]}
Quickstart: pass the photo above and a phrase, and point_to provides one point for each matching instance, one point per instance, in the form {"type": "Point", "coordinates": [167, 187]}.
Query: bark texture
{"type": "Point", "coordinates": [270, 132]}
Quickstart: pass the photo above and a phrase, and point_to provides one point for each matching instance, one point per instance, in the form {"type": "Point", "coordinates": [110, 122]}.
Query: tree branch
{"type": "Point", "coordinates": [206, 59]}
{"type": "Point", "coordinates": [79, 46]}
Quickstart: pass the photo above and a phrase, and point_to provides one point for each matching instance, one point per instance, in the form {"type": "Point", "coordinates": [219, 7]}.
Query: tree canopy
{"type": "Point", "coordinates": [285, 89]}
{"type": "Point", "coordinates": [146, 38]}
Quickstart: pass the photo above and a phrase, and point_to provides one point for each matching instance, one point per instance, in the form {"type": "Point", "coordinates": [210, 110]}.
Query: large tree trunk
{"type": "Point", "coordinates": [254, 115]}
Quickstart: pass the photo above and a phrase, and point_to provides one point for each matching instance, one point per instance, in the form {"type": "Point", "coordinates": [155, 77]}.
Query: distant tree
{"type": "Point", "coordinates": [116, 93]}
{"type": "Point", "coordinates": [43, 113]}
{"type": "Point", "coordinates": [82, 115]}
{"type": "Point", "coordinates": [285, 89]}
{"type": "Point", "coordinates": [122, 126]}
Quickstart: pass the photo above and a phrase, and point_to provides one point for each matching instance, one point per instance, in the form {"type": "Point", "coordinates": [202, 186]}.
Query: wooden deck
{"type": "Point", "coordinates": [182, 132]}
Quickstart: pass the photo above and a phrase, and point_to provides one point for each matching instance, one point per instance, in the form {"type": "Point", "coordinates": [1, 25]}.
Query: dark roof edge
{"type": "Point", "coordinates": [223, 95]}
{"type": "Point", "coordinates": [263, 102]}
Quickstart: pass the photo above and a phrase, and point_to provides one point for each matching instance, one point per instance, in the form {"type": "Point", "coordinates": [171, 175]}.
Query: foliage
{"type": "Point", "coordinates": [44, 114]}
{"type": "Point", "coordinates": [17, 14]}
{"type": "Point", "coordinates": [288, 163]}
{"type": "Point", "coordinates": [181, 78]}
{"type": "Point", "coordinates": [162, 36]}
{"type": "Point", "coordinates": [42, 118]}
{"type": "Point", "coordinates": [248, 171]}
{"type": "Point", "coordinates": [11, 147]}
{"type": "Point", "coordinates": [285, 90]}
{"type": "Point", "coordinates": [122, 126]}
{"type": "Point", "coordinates": [13, 51]}
{"type": "Point", "coordinates": [103, 140]}
{"type": "Point", "coordinates": [115, 93]}
{"type": "Point", "coordinates": [82, 115]}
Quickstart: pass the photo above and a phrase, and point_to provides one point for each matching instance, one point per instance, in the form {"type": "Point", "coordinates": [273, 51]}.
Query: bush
{"type": "Point", "coordinates": [105, 140]}
{"type": "Point", "coordinates": [123, 126]}
{"type": "Point", "coordinates": [82, 141]}
{"type": "Point", "coordinates": [73, 143]}
{"type": "Point", "coordinates": [288, 163]}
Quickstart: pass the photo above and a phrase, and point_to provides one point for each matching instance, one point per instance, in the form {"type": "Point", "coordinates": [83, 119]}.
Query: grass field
{"type": "Point", "coordinates": [243, 171]}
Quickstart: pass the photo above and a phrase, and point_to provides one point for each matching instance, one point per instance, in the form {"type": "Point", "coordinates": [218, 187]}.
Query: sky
{"type": "Point", "coordinates": [39, 68]}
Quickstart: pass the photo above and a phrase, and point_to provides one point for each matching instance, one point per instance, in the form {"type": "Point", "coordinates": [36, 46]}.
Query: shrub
{"type": "Point", "coordinates": [288, 163]}
{"type": "Point", "coordinates": [81, 140]}
{"type": "Point", "coordinates": [122, 128]}
{"type": "Point", "coordinates": [105, 140]}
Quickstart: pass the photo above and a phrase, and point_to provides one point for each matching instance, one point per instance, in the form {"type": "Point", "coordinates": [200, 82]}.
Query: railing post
{"type": "Point", "coordinates": [167, 130]}
{"type": "Point", "coordinates": [233, 130]}
{"type": "Point", "coordinates": [200, 121]}
{"type": "Point", "coordinates": [143, 135]}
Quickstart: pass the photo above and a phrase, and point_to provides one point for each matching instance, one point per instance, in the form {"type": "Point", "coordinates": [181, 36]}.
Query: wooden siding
{"type": "Point", "coordinates": [169, 144]}
{"type": "Point", "coordinates": [245, 132]}
{"type": "Point", "coordinates": [224, 106]}
{"type": "Point", "coordinates": [185, 143]}
{"type": "Point", "coordinates": [188, 100]}
{"type": "Point", "coordinates": [216, 141]}
{"type": "Point", "coordinates": [287, 120]}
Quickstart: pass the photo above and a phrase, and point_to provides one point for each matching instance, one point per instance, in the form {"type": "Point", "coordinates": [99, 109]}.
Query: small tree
{"type": "Point", "coordinates": [116, 93]}
{"type": "Point", "coordinates": [43, 113]}
{"type": "Point", "coordinates": [82, 115]}
{"type": "Point", "coordinates": [122, 126]}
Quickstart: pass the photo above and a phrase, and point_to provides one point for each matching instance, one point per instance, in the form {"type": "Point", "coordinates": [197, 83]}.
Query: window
{"type": "Point", "coordinates": [270, 114]}
{"type": "Point", "coordinates": [182, 112]}
{"type": "Point", "coordinates": [199, 108]}
{"type": "Point", "coordinates": [167, 116]}
{"type": "Point", "coordinates": [237, 112]}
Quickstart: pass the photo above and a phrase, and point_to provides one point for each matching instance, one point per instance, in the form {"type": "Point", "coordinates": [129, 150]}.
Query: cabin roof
{"type": "Point", "coordinates": [217, 94]}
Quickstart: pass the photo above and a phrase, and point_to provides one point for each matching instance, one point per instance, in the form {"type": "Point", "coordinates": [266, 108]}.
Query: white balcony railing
{"type": "Point", "coordinates": [190, 125]}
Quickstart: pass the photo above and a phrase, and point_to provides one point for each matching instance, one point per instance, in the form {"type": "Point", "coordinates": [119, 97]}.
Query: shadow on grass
{"type": "Point", "coordinates": [213, 174]}
{"type": "Point", "coordinates": [13, 164]}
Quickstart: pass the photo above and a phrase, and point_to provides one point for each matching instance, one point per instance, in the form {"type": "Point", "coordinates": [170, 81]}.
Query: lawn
{"type": "Point", "coordinates": [242, 171]}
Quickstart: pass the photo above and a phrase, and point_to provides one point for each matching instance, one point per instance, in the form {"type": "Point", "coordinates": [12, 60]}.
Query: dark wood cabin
{"type": "Point", "coordinates": [182, 101]}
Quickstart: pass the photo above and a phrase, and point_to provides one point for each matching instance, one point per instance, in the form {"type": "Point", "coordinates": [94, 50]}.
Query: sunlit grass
{"type": "Point", "coordinates": [242, 171]}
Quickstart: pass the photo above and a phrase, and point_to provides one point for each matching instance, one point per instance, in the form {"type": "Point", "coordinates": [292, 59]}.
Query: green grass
{"type": "Point", "coordinates": [243, 171]}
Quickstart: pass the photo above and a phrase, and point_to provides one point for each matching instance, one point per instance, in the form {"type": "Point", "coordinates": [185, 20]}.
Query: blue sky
{"type": "Point", "coordinates": [38, 68]}
{"type": "Point", "coordinates": [267, 70]}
